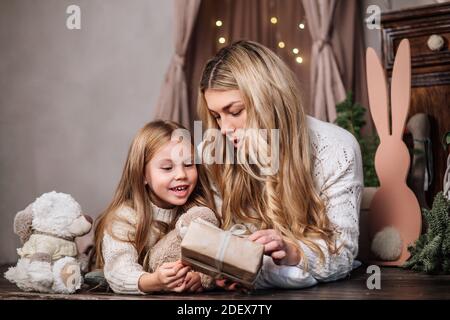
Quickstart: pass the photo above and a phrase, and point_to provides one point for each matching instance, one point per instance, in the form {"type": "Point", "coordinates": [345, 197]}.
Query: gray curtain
{"type": "Point", "coordinates": [327, 88]}
{"type": "Point", "coordinates": [173, 102]}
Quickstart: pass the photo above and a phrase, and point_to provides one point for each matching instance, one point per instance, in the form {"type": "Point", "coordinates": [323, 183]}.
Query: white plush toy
{"type": "Point", "coordinates": [48, 259]}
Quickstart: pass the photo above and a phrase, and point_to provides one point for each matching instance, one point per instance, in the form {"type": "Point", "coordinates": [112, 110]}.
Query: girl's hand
{"type": "Point", "coordinates": [281, 251]}
{"type": "Point", "coordinates": [193, 282]}
{"type": "Point", "coordinates": [171, 276]}
{"type": "Point", "coordinates": [229, 285]}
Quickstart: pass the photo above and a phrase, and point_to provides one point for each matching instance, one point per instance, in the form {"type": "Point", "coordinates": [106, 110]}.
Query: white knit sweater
{"type": "Point", "coordinates": [121, 267]}
{"type": "Point", "coordinates": [338, 177]}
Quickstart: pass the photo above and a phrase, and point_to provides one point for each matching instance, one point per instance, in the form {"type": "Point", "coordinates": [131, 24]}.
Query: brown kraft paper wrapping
{"type": "Point", "coordinates": [201, 249]}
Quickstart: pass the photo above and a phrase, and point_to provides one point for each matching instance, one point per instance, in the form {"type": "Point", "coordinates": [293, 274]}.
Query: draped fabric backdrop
{"type": "Point", "coordinates": [348, 46]}
{"type": "Point", "coordinates": [173, 103]}
{"type": "Point", "coordinates": [250, 20]}
{"type": "Point", "coordinates": [327, 88]}
{"type": "Point", "coordinates": [331, 46]}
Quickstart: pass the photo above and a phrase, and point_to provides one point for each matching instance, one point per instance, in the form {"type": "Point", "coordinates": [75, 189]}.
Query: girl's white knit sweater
{"type": "Point", "coordinates": [121, 267]}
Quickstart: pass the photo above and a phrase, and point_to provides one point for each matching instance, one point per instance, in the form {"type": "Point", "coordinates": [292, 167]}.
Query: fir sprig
{"type": "Point", "coordinates": [431, 252]}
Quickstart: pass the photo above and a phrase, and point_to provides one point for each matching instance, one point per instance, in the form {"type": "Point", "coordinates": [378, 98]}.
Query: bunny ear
{"type": "Point", "coordinates": [378, 97]}
{"type": "Point", "coordinates": [401, 88]}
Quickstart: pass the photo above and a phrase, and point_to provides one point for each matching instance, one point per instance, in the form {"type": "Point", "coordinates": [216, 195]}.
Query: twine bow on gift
{"type": "Point", "coordinates": [235, 230]}
{"type": "Point", "coordinates": [216, 270]}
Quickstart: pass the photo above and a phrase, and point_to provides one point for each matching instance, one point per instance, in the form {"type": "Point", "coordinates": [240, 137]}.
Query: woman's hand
{"type": "Point", "coordinates": [168, 277]}
{"type": "Point", "coordinates": [281, 251]}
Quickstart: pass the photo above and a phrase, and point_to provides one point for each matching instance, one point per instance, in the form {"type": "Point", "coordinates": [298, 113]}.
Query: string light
{"type": "Point", "coordinates": [281, 44]}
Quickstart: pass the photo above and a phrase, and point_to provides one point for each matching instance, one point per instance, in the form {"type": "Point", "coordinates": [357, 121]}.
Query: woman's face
{"type": "Point", "coordinates": [227, 107]}
{"type": "Point", "coordinates": [172, 174]}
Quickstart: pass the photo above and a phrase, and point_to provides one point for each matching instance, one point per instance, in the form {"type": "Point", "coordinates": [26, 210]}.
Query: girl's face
{"type": "Point", "coordinates": [171, 174]}
{"type": "Point", "coordinates": [227, 107]}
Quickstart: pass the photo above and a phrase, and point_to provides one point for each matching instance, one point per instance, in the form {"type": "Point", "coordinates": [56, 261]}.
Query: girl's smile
{"type": "Point", "coordinates": [180, 191]}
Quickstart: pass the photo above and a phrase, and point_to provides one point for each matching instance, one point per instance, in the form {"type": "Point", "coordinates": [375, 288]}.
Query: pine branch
{"type": "Point", "coordinates": [431, 252]}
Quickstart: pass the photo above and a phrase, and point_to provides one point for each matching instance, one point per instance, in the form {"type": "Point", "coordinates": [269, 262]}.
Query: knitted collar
{"type": "Point", "coordinates": [164, 215]}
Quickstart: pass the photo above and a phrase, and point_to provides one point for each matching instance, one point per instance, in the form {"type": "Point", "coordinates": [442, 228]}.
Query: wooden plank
{"type": "Point", "coordinates": [395, 284]}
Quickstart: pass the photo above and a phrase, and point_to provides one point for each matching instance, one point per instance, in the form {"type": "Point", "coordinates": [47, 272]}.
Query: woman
{"type": "Point", "coordinates": [306, 212]}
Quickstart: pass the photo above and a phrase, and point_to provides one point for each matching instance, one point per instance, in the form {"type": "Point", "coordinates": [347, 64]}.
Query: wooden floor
{"type": "Point", "coordinates": [395, 284]}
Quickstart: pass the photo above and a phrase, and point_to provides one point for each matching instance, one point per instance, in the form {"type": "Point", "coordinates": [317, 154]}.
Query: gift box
{"type": "Point", "coordinates": [222, 253]}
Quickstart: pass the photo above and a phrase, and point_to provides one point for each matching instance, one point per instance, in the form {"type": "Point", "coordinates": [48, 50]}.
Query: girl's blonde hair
{"type": "Point", "coordinates": [133, 192]}
{"type": "Point", "coordinates": [288, 200]}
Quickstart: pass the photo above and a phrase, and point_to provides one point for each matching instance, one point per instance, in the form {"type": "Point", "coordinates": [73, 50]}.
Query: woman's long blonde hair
{"type": "Point", "coordinates": [288, 200]}
{"type": "Point", "coordinates": [133, 192]}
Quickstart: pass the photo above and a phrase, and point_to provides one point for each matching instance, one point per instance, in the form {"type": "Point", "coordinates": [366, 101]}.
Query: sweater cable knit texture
{"type": "Point", "coordinates": [121, 268]}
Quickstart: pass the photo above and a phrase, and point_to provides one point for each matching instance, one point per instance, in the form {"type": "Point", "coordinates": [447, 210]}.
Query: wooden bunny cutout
{"type": "Point", "coordinates": [395, 217]}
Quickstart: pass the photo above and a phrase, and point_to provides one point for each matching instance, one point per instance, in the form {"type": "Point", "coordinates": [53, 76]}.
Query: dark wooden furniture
{"type": "Point", "coordinates": [430, 71]}
{"type": "Point", "coordinates": [396, 284]}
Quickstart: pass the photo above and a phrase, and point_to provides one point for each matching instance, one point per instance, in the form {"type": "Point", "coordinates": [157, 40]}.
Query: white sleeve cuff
{"type": "Point", "coordinates": [286, 277]}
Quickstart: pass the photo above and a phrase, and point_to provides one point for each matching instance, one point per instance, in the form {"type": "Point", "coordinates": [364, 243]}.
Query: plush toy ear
{"type": "Point", "coordinates": [23, 224]}
{"type": "Point", "coordinates": [204, 213]}
{"type": "Point", "coordinates": [192, 214]}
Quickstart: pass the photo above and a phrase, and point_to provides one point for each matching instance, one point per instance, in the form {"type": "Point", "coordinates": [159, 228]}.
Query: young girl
{"type": "Point", "coordinates": [306, 213]}
{"type": "Point", "coordinates": [159, 182]}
